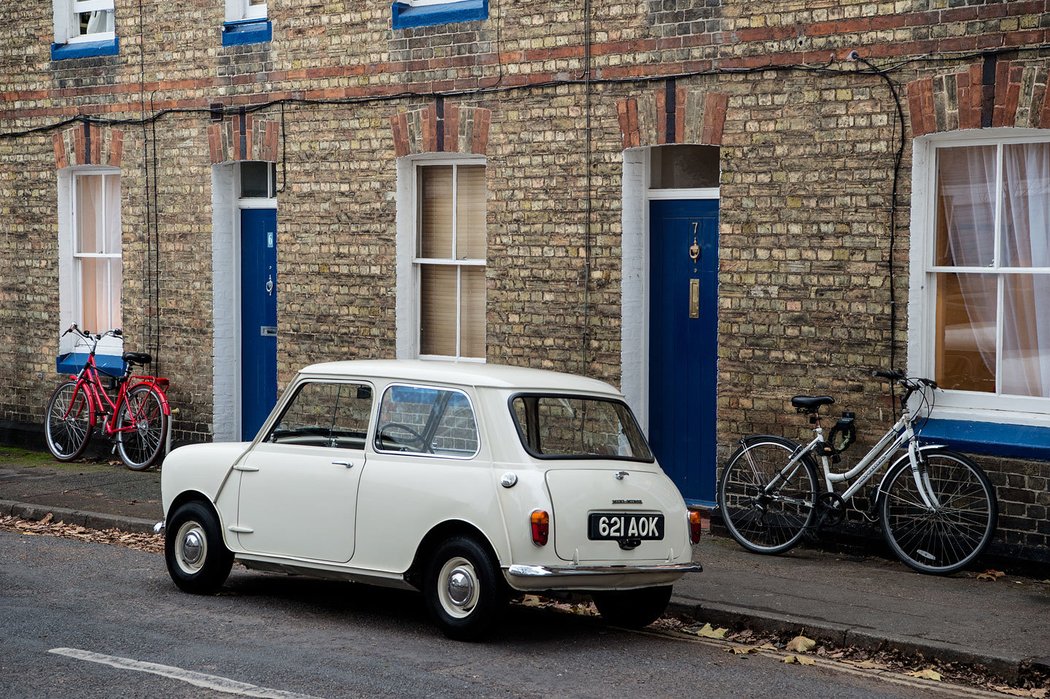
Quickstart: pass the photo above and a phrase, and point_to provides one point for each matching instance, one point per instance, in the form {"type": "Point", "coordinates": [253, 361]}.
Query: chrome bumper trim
{"type": "Point", "coordinates": [525, 571]}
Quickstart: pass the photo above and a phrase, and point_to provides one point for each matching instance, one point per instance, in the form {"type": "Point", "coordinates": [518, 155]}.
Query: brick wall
{"type": "Point", "coordinates": [808, 152]}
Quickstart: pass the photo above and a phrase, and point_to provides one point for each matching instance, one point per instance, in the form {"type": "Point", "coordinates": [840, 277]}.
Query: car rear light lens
{"type": "Point", "coordinates": [541, 527]}
{"type": "Point", "coordinates": [695, 524]}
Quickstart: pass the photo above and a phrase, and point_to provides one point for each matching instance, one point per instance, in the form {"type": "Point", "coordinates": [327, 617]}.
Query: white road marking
{"type": "Point", "coordinates": [197, 679]}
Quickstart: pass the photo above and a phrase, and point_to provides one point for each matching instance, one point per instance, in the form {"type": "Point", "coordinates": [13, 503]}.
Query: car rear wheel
{"type": "Point", "coordinates": [633, 609]}
{"type": "Point", "coordinates": [198, 560]}
{"type": "Point", "coordinates": [463, 590]}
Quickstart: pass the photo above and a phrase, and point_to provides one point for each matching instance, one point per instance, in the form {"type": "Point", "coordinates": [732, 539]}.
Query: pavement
{"type": "Point", "coordinates": [850, 600]}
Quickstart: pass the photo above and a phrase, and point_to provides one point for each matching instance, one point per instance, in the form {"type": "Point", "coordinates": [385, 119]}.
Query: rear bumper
{"type": "Point", "coordinates": [534, 577]}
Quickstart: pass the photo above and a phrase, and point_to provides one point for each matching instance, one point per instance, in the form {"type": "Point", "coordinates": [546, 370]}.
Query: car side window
{"type": "Point", "coordinates": [424, 420]}
{"type": "Point", "coordinates": [323, 414]}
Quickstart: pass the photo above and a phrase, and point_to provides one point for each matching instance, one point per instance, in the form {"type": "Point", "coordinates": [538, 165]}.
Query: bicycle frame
{"type": "Point", "coordinates": [897, 436]}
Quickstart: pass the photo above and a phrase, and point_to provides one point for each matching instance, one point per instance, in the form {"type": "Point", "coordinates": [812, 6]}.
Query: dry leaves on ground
{"type": "Point", "coordinates": [927, 674]}
{"type": "Point", "coordinates": [153, 543]}
{"type": "Point", "coordinates": [800, 659]}
{"type": "Point", "coordinates": [800, 644]}
{"type": "Point", "coordinates": [990, 575]}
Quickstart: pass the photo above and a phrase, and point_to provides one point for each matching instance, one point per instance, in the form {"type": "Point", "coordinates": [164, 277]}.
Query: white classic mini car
{"type": "Point", "coordinates": [470, 482]}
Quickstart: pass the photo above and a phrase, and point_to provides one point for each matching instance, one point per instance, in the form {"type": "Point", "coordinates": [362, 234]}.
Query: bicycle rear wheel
{"type": "Point", "coordinates": [142, 427]}
{"type": "Point", "coordinates": [949, 536]}
{"type": "Point", "coordinates": [774, 521]}
{"type": "Point", "coordinates": [68, 425]}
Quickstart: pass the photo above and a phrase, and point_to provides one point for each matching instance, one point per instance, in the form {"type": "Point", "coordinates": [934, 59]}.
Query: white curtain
{"type": "Point", "coordinates": [1026, 244]}
{"type": "Point", "coordinates": [966, 189]}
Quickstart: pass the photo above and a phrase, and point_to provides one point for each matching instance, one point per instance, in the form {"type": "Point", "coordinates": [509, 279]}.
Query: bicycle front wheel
{"type": "Point", "coordinates": [68, 425]}
{"type": "Point", "coordinates": [761, 518]}
{"type": "Point", "coordinates": [142, 426]}
{"type": "Point", "coordinates": [954, 528]}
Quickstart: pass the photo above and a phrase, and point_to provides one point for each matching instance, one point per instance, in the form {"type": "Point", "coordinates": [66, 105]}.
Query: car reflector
{"type": "Point", "coordinates": [541, 527]}
{"type": "Point", "coordinates": [695, 524]}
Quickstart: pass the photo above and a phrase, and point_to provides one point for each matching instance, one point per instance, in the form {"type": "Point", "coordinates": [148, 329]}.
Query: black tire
{"type": "Point", "coordinates": [949, 537]}
{"type": "Point", "coordinates": [198, 560]}
{"type": "Point", "coordinates": [68, 424]}
{"type": "Point", "coordinates": [142, 414]}
{"type": "Point", "coordinates": [633, 609]}
{"type": "Point", "coordinates": [774, 522]}
{"type": "Point", "coordinates": [464, 592]}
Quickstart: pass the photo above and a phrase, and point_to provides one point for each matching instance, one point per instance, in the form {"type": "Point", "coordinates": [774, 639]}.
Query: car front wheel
{"type": "Point", "coordinates": [198, 560]}
{"type": "Point", "coordinates": [463, 590]}
{"type": "Point", "coordinates": [633, 609]}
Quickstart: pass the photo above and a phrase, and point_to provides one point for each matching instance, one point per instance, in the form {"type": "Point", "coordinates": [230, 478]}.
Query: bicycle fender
{"type": "Point", "coordinates": [902, 459]}
{"type": "Point", "coordinates": [160, 392]}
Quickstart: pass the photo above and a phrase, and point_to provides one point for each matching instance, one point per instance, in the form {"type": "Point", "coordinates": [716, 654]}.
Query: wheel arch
{"type": "Point", "coordinates": [187, 496]}
{"type": "Point", "coordinates": [433, 538]}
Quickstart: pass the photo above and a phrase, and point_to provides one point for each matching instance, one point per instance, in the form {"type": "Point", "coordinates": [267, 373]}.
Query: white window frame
{"type": "Point", "coordinates": [974, 406]}
{"type": "Point", "coordinates": [70, 297]}
{"type": "Point", "coordinates": [65, 20]}
{"type": "Point", "coordinates": [240, 10]}
{"type": "Point", "coordinates": [409, 263]}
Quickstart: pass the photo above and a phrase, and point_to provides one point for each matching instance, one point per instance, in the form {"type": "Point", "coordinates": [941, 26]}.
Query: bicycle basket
{"type": "Point", "coordinates": [842, 435]}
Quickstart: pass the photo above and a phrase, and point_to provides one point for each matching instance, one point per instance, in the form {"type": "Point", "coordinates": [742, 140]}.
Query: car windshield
{"type": "Point", "coordinates": [578, 427]}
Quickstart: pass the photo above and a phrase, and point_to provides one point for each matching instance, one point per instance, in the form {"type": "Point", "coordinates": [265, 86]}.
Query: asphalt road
{"type": "Point", "coordinates": [92, 620]}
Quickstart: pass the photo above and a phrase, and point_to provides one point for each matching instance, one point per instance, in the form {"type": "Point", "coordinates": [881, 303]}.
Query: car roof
{"type": "Point", "coordinates": [463, 373]}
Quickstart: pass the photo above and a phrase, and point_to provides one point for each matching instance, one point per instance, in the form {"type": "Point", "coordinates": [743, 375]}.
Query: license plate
{"type": "Point", "coordinates": [615, 526]}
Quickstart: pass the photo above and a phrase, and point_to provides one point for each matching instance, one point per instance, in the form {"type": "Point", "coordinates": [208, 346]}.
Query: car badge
{"type": "Point", "coordinates": [627, 502]}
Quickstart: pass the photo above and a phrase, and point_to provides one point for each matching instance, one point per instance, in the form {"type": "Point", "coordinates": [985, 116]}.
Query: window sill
{"type": "Point", "coordinates": [407, 16]}
{"type": "Point", "coordinates": [251, 31]}
{"type": "Point", "coordinates": [992, 438]}
{"type": "Point", "coordinates": [85, 49]}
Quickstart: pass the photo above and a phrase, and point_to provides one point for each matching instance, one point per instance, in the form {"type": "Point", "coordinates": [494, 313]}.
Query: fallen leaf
{"type": "Point", "coordinates": [47, 518]}
{"type": "Point", "coordinates": [744, 650]}
{"type": "Point", "coordinates": [927, 674]}
{"type": "Point", "coordinates": [868, 665]}
{"type": "Point", "coordinates": [800, 659]}
{"type": "Point", "coordinates": [707, 632]}
{"type": "Point", "coordinates": [990, 575]}
{"type": "Point", "coordinates": [800, 644]}
{"type": "Point", "coordinates": [767, 646]}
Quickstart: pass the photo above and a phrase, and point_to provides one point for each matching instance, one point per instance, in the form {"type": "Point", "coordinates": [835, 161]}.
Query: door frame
{"type": "Point", "coordinates": [635, 274]}
{"type": "Point", "coordinates": [226, 297]}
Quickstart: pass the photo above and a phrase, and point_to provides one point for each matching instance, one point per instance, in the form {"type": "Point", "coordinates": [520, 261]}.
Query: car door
{"type": "Point", "coordinates": [299, 485]}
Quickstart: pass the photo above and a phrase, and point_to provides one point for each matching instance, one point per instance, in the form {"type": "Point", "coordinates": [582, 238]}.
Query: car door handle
{"type": "Point", "coordinates": [347, 464]}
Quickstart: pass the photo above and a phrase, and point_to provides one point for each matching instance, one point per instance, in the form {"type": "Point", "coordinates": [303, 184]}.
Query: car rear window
{"type": "Point", "coordinates": [578, 427]}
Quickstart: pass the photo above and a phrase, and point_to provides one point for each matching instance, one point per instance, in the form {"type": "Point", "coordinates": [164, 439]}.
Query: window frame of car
{"type": "Point", "coordinates": [293, 394]}
{"type": "Point", "coordinates": [378, 408]}
{"type": "Point", "coordinates": [525, 440]}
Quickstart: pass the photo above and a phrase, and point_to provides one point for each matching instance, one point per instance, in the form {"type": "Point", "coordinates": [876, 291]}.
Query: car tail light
{"type": "Point", "coordinates": [695, 524]}
{"type": "Point", "coordinates": [541, 527]}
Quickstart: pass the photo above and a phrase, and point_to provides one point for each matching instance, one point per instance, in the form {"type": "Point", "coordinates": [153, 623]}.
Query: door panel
{"type": "Point", "coordinates": [258, 318]}
{"type": "Point", "coordinates": [683, 347]}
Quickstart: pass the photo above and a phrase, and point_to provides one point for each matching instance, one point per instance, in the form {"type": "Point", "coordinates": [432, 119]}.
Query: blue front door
{"type": "Point", "coordinates": [683, 342]}
{"type": "Point", "coordinates": [258, 317]}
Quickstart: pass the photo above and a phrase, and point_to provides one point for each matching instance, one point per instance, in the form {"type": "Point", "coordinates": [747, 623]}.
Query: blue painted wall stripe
{"type": "Point", "coordinates": [992, 438]}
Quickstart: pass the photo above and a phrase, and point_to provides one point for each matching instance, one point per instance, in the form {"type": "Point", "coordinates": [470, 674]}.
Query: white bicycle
{"type": "Point", "coordinates": [937, 507]}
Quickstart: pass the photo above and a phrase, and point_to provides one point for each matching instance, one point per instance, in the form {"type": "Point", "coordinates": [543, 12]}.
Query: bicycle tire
{"type": "Point", "coordinates": [950, 537]}
{"type": "Point", "coordinates": [69, 422]}
{"type": "Point", "coordinates": [142, 427]}
{"type": "Point", "coordinates": [771, 524]}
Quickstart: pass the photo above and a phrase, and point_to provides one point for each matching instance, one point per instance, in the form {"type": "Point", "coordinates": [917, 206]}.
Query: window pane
{"type": "Point", "coordinates": [684, 167]}
{"type": "Point", "coordinates": [472, 311]}
{"type": "Point", "coordinates": [966, 206]}
{"type": "Point", "coordinates": [95, 22]}
{"type": "Point", "coordinates": [90, 207]}
{"type": "Point", "coordinates": [116, 281]}
{"type": "Point", "coordinates": [456, 433]}
{"type": "Point", "coordinates": [1026, 205]}
{"type": "Point", "coordinates": [470, 213]}
{"type": "Point", "coordinates": [966, 318]}
{"type": "Point", "coordinates": [254, 179]}
{"type": "Point", "coordinates": [437, 310]}
{"type": "Point", "coordinates": [94, 294]}
{"type": "Point", "coordinates": [435, 212]}
{"type": "Point", "coordinates": [308, 418]}
{"type": "Point", "coordinates": [1026, 336]}
{"type": "Point", "coordinates": [112, 215]}
{"type": "Point", "coordinates": [575, 426]}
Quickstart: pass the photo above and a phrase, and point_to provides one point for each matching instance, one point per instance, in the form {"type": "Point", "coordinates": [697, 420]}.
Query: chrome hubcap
{"type": "Point", "coordinates": [460, 587]}
{"type": "Point", "coordinates": [191, 548]}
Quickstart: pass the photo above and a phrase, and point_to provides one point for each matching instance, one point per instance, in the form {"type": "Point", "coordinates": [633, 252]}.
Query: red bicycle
{"type": "Point", "coordinates": [137, 419]}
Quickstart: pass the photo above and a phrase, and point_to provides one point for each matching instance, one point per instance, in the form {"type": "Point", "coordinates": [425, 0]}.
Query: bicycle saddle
{"type": "Point", "coordinates": [811, 403]}
{"type": "Point", "coordinates": [137, 358]}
